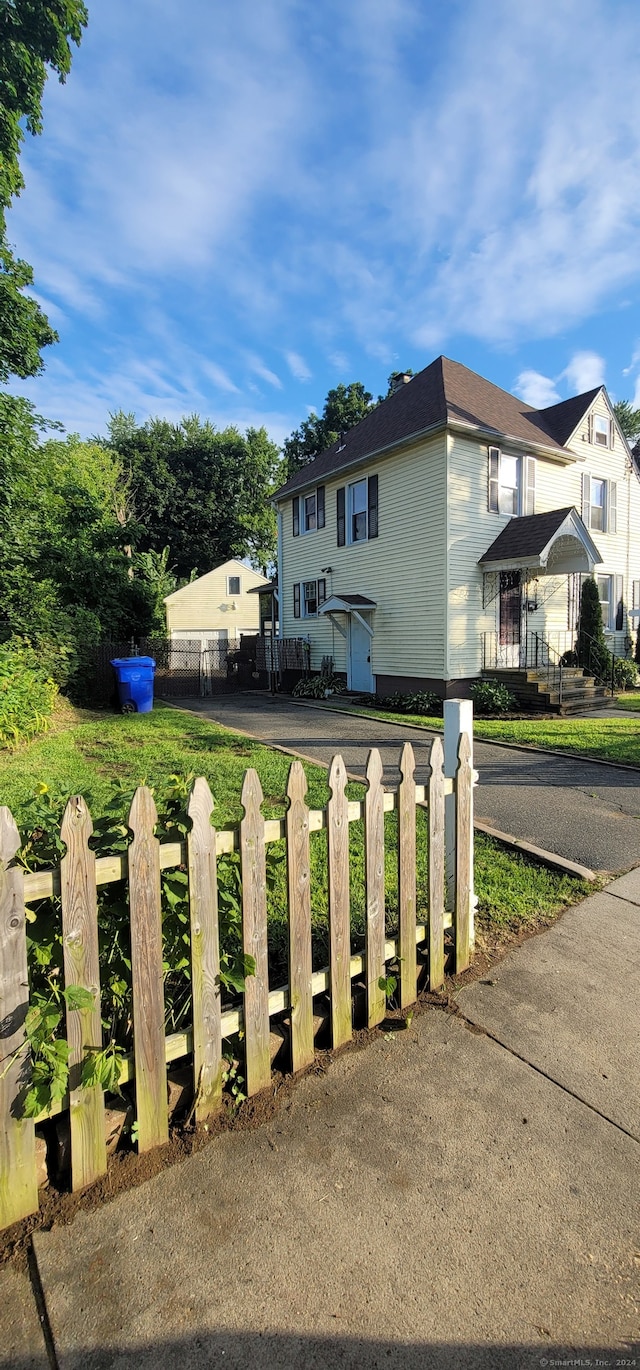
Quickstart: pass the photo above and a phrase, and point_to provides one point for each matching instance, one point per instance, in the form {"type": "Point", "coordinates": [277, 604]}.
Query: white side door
{"type": "Point", "coordinates": [360, 675]}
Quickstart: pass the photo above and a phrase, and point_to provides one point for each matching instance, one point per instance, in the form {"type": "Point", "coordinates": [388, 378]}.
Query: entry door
{"type": "Point", "coordinates": [510, 618]}
{"type": "Point", "coordinates": [360, 675]}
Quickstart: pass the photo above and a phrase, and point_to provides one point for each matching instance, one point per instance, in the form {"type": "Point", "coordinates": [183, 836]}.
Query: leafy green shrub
{"type": "Point", "coordinates": [490, 697]}
{"type": "Point", "coordinates": [593, 653]}
{"type": "Point", "coordinates": [42, 847]}
{"type": "Point", "coordinates": [625, 674]}
{"type": "Point", "coordinates": [317, 687]}
{"type": "Point", "coordinates": [421, 702]}
{"type": "Point", "coordinates": [27, 694]}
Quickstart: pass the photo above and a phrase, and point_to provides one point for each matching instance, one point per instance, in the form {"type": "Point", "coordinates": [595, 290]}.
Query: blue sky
{"type": "Point", "coordinates": [234, 207]}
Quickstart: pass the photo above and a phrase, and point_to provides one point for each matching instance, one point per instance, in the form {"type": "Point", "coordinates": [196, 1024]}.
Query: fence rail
{"type": "Point", "coordinates": [80, 874]}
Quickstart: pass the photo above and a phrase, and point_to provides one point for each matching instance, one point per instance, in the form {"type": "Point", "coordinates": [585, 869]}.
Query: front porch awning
{"type": "Point", "coordinates": [556, 543]}
{"type": "Point", "coordinates": [354, 605]}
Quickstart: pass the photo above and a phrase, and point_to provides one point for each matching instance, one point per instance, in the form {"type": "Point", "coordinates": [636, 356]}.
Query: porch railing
{"type": "Point", "coordinates": [551, 655]}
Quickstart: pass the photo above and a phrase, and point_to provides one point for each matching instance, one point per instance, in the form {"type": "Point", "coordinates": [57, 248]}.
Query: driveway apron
{"type": "Point", "coordinates": [584, 811]}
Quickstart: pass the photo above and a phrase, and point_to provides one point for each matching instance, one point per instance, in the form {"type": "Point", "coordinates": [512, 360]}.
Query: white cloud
{"type": "Point", "coordinates": [297, 366]}
{"type": "Point", "coordinates": [259, 369]}
{"type": "Point", "coordinates": [536, 389]}
{"type": "Point", "coordinates": [219, 377]}
{"type": "Point", "coordinates": [584, 371]}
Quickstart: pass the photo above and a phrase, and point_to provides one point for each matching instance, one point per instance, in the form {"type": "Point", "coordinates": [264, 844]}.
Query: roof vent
{"type": "Point", "coordinates": [399, 380]}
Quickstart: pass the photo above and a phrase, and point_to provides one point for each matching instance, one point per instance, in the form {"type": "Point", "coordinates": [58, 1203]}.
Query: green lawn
{"type": "Point", "coordinates": [91, 753]}
{"type": "Point", "coordinates": [629, 701]}
{"type": "Point", "coordinates": [612, 739]}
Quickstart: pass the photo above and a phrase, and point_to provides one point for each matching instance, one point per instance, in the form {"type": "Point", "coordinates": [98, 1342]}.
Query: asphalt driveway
{"type": "Point", "coordinates": [583, 810]}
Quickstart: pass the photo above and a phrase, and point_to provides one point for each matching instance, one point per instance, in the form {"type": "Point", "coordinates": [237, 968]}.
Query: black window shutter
{"type": "Point", "coordinates": [322, 591]}
{"type": "Point", "coordinates": [373, 506]}
{"type": "Point", "coordinates": [320, 506]}
{"type": "Point", "coordinates": [296, 600]}
{"type": "Point", "coordinates": [342, 522]}
{"type": "Point", "coordinates": [296, 516]}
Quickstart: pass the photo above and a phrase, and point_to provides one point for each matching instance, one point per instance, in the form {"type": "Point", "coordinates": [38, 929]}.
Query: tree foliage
{"type": "Point", "coordinates": [628, 418]}
{"type": "Point", "coordinates": [65, 569]}
{"type": "Point", "coordinates": [203, 492]}
{"type": "Point", "coordinates": [344, 407]}
{"type": "Point", "coordinates": [34, 35]}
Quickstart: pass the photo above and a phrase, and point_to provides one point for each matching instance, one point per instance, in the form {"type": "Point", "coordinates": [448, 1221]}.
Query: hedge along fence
{"type": "Point", "coordinates": [76, 881]}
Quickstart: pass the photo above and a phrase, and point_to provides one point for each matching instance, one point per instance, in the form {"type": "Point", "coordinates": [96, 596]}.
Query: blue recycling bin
{"type": "Point", "coordinates": [134, 676]}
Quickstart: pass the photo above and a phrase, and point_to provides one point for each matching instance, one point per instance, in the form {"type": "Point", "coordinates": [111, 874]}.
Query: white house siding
{"type": "Point", "coordinates": [403, 569]}
{"type": "Point", "coordinates": [472, 529]}
{"type": "Point", "coordinates": [205, 606]}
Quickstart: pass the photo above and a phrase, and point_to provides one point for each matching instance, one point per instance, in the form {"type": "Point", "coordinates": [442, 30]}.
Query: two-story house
{"type": "Point", "coordinates": [449, 532]}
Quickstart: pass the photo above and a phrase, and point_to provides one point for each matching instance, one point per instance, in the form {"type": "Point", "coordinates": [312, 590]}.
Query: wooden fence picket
{"type": "Point", "coordinates": [254, 935]}
{"type": "Point", "coordinates": [82, 968]}
{"type": "Point", "coordinates": [374, 877]}
{"type": "Point", "coordinates": [464, 871]}
{"type": "Point", "coordinates": [79, 873]}
{"type": "Point", "coordinates": [339, 912]}
{"type": "Point", "coordinates": [407, 878]}
{"type": "Point", "coordinates": [146, 973]}
{"type": "Point", "coordinates": [18, 1182]}
{"type": "Point", "coordinates": [436, 866]}
{"type": "Point", "coordinates": [205, 954]}
{"type": "Point", "coordinates": [299, 882]}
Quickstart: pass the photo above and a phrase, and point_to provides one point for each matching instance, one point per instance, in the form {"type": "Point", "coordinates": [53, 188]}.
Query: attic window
{"type": "Point", "coordinates": [233, 585]}
{"type": "Point", "coordinates": [601, 431]}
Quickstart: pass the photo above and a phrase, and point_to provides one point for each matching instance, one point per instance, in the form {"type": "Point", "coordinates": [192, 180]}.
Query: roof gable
{"type": "Point", "coordinates": [224, 566]}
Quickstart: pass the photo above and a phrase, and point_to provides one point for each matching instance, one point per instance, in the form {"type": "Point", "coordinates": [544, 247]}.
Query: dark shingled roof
{"type": "Point", "coordinates": [528, 536]}
{"type": "Point", "coordinates": [444, 391]}
{"type": "Point", "coordinates": [561, 419]}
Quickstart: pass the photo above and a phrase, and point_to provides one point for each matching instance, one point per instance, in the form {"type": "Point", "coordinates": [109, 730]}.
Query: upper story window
{"type": "Point", "coordinates": [511, 483]}
{"type": "Point", "coordinates": [599, 503]}
{"type": "Point", "coordinates": [601, 431]}
{"type": "Point", "coordinates": [357, 511]}
{"type": "Point", "coordinates": [308, 511]}
{"type": "Point", "coordinates": [233, 585]}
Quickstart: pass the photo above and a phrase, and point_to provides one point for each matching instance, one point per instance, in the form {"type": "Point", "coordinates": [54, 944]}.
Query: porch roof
{"type": "Point", "coordinates": [346, 604]}
{"type": "Point", "coordinates": [556, 542]}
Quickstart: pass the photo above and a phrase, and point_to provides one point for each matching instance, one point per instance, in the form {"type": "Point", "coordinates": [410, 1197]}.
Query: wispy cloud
{"type": "Point", "coordinates": [297, 366]}
{"type": "Point", "coordinates": [219, 377]}
{"type": "Point", "coordinates": [536, 389]}
{"type": "Point", "coordinates": [585, 371]}
{"type": "Point", "coordinates": [259, 369]}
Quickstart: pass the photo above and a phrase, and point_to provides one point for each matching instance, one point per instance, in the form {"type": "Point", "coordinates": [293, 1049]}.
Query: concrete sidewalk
{"type": "Point", "coordinates": [464, 1192]}
{"type": "Point", "coordinates": [585, 811]}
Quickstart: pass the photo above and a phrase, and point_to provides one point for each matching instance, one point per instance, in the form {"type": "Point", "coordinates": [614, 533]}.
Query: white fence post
{"type": "Point", "coordinates": [458, 718]}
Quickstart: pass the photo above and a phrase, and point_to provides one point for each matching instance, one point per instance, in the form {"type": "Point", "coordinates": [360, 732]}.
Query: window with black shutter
{"type": "Point", "coordinates": [322, 591]}
{"type": "Point", "coordinates": [341, 516]}
{"type": "Point", "coordinates": [296, 515]}
{"type": "Point", "coordinates": [296, 600]}
{"type": "Point", "coordinates": [373, 507]}
{"type": "Point", "coordinates": [320, 506]}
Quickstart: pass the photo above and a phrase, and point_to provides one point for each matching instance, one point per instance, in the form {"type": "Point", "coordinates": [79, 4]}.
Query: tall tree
{"type": "Point", "coordinates": [203, 492]}
{"type": "Point", "coordinates": [344, 406]}
{"type": "Point", "coordinates": [34, 35]}
{"type": "Point", "coordinates": [628, 418]}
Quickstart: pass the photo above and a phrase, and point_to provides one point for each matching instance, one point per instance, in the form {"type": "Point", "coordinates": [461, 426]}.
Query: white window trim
{"type": "Point", "coordinates": [602, 418]}
{"type": "Point", "coordinates": [610, 511]}
{"type": "Point", "coordinates": [526, 467]}
{"type": "Point", "coordinates": [232, 593]}
{"type": "Point", "coordinates": [351, 541]}
{"type": "Point", "coordinates": [303, 599]}
{"type": "Point", "coordinates": [303, 500]}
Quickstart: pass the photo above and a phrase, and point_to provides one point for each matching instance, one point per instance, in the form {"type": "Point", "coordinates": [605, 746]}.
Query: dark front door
{"type": "Point", "coordinates": [510, 617]}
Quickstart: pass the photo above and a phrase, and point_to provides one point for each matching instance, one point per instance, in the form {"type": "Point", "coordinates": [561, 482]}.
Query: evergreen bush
{"type": "Point", "coordinates": [591, 648]}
